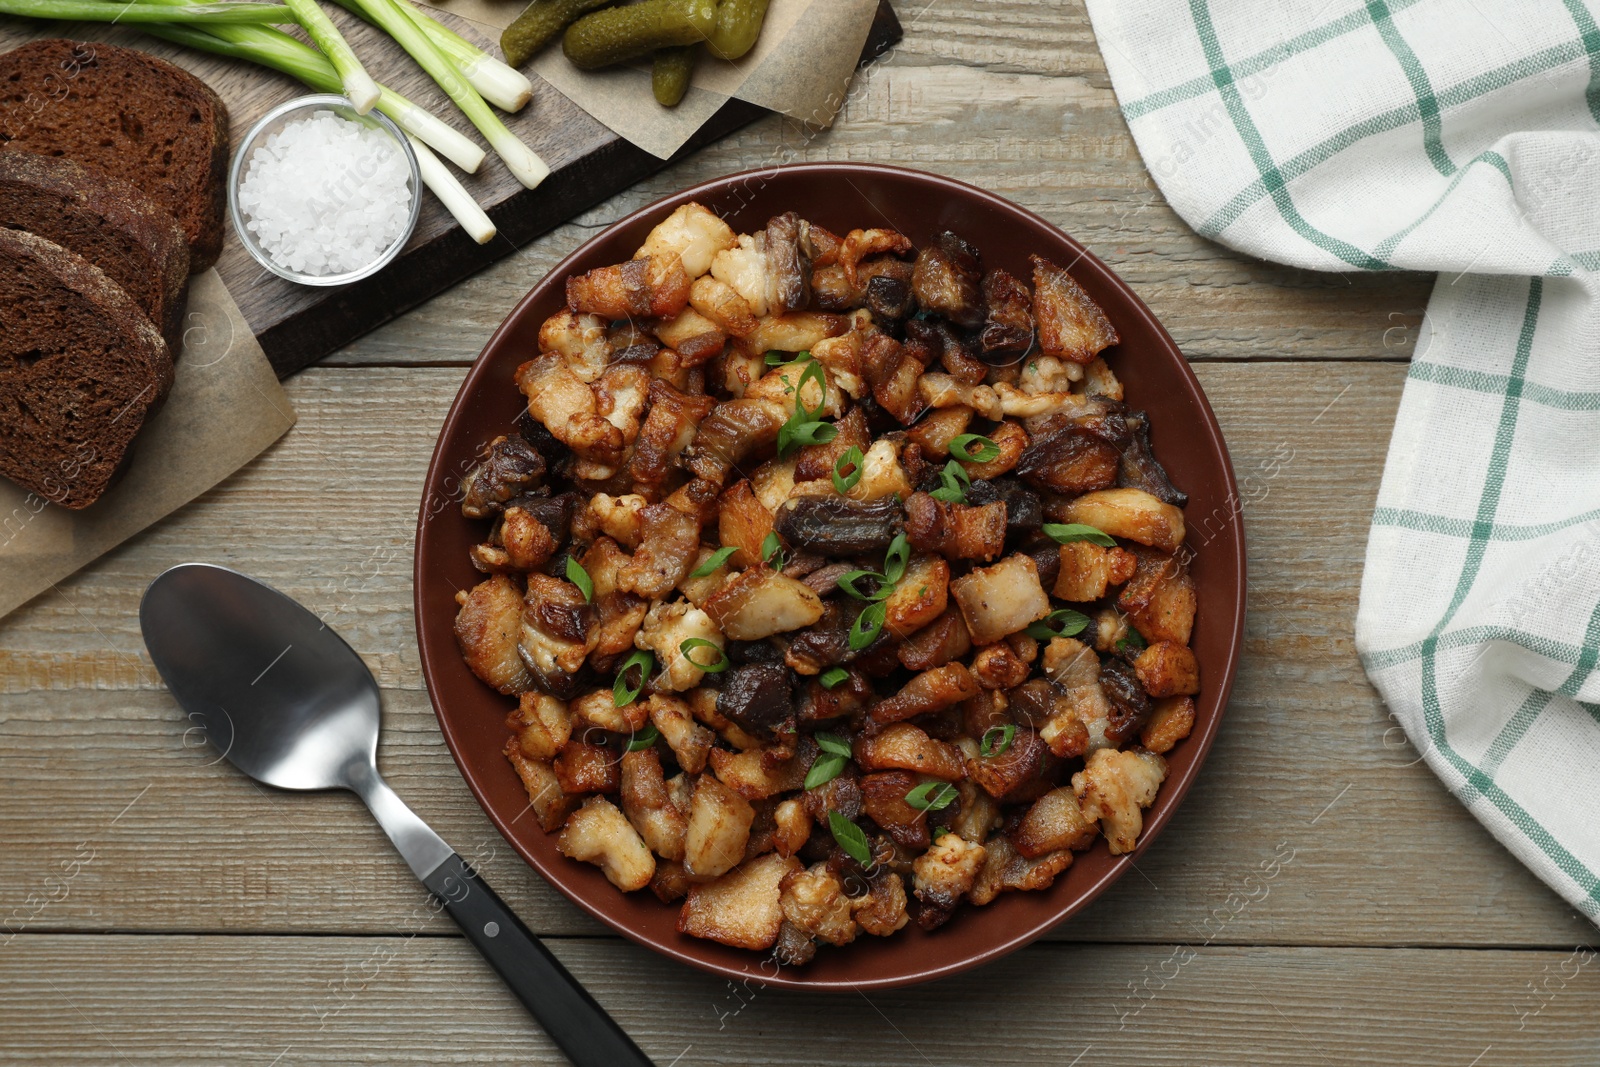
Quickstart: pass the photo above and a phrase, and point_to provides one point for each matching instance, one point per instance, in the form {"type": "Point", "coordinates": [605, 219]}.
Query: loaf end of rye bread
{"type": "Point", "coordinates": [81, 368]}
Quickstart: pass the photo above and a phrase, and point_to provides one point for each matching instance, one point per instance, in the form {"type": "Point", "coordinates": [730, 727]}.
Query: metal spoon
{"type": "Point", "coordinates": [290, 704]}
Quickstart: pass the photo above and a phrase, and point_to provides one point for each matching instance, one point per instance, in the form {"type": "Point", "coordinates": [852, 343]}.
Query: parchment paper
{"type": "Point", "coordinates": [225, 407]}
{"type": "Point", "coordinates": [801, 66]}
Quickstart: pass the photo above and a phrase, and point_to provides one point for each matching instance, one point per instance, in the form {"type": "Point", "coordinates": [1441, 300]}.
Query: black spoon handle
{"type": "Point", "coordinates": [578, 1025]}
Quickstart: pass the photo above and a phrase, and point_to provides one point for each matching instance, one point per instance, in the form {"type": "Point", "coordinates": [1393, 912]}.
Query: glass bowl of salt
{"type": "Point", "coordinates": [321, 195]}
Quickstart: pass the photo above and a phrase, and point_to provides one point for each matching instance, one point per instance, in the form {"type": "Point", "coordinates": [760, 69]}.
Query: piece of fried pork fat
{"type": "Point", "coordinates": [955, 531]}
{"type": "Point", "coordinates": [510, 466]}
{"type": "Point", "coordinates": [837, 526]}
{"type": "Point", "coordinates": [859, 244]}
{"type": "Point", "coordinates": [1008, 315]}
{"type": "Point", "coordinates": [721, 304]}
{"type": "Point", "coordinates": [654, 287]}
{"type": "Point", "coordinates": [1140, 469]}
{"type": "Point", "coordinates": [581, 340]}
{"type": "Point", "coordinates": [668, 543]}
{"type": "Point", "coordinates": [1070, 324]}
{"type": "Point", "coordinates": [568, 408]}
{"type": "Point", "coordinates": [674, 419]}
{"type": "Point", "coordinates": [691, 236]}
{"type": "Point", "coordinates": [487, 628]}
{"type": "Point", "coordinates": [734, 434]}
{"type": "Point", "coordinates": [770, 270]}
{"type": "Point", "coordinates": [948, 278]}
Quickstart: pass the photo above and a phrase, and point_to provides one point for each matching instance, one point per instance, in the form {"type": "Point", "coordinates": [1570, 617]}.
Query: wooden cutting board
{"type": "Point", "coordinates": [298, 325]}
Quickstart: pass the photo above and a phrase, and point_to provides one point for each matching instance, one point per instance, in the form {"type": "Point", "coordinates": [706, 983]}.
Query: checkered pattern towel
{"type": "Point", "coordinates": [1457, 136]}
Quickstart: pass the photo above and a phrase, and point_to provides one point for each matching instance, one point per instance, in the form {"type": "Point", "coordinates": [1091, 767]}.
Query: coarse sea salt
{"type": "Point", "coordinates": [325, 195]}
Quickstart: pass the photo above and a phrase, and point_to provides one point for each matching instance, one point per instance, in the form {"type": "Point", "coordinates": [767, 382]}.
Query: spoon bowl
{"type": "Point", "coordinates": [276, 692]}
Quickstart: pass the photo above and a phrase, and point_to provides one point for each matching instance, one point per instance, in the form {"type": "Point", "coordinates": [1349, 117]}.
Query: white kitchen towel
{"type": "Point", "coordinates": [1457, 136]}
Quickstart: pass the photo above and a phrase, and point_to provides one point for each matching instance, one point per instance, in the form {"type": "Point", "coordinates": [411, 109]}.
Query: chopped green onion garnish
{"type": "Point", "coordinates": [961, 448]}
{"type": "Point", "coordinates": [850, 838]}
{"type": "Point", "coordinates": [955, 478]}
{"type": "Point", "coordinates": [851, 460]}
{"type": "Point", "coordinates": [689, 644]}
{"type": "Point", "coordinates": [847, 581]}
{"type": "Point", "coordinates": [1064, 533]}
{"type": "Point", "coordinates": [932, 796]}
{"type": "Point", "coordinates": [772, 551]}
{"type": "Point", "coordinates": [996, 739]}
{"type": "Point", "coordinates": [795, 434]}
{"type": "Point", "coordinates": [824, 769]}
{"type": "Point", "coordinates": [833, 676]}
{"type": "Point", "coordinates": [835, 754]}
{"type": "Point", "coordinates": [804, 426]}
{"type": "Point", "coordinates": [580, 578]}
{"type": "Point", "coordinates": [865, 629]}
{"type": "Point", "coordinates": [833, 743]}
{"type": "Point", "coordinates": [713, 561]}
{"type": "Point", "coordinates": [896, 558]}
{"type": "Point", "coordinates": [813, 372]}
{"type": "Point", "coordinates": [644, 739]}
{"type": "Point", "coordinates": [1062, 623]}
{"type": "Point", "coordinates": [775, 358]}
{"type": "Point", "coordinates": [623, 694]}
{"type": "Point", "coordinates": [1135, 639]}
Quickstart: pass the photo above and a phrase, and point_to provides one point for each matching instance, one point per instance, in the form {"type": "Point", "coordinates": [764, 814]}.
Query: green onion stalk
{"type": "Point", "coordinates": [358, 84]}
{"type": "Point", "coordinates": [524, 164]}
{"type": "Point", "coordinates": [452, 194]}
{"type": "Point", "coordinates": [197, 14]}
{"type": "Point", "coordinates": [504, 87]}
{"type": "Point", "coordinates": [270, 48]}
{"type": "Point", "coordinates": [277, 50]}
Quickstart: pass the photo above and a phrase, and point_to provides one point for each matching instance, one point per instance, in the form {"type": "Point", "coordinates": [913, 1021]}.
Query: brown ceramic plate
{"type": "Point", "coordinates": [840, 196]}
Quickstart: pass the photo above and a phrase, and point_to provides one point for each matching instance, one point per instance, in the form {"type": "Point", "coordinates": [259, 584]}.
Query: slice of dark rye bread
{"type": "Point", "coordinates": [80, 369]}
{"type": "Point", "coordinates": [106, 221]}
{"type": "Point", "coordinates": [127, 114]}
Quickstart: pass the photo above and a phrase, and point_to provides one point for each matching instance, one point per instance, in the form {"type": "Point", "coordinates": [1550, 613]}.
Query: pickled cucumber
{"type": "Point", "coordinates": [539, 24]}
{"type": "Point", "coordinates": [670, 73]}
{"type": "Point", "coordinates": [618, 34]}
{"type": "Point", "coordinates": [738, 26]}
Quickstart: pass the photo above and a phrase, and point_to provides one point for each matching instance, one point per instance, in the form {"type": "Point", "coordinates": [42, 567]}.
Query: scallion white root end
{"type": "Point", "coordinates": [362, 91]}
{"type": "Point", "coordinates": [498, 83]}
{"type": "Point", "coordinates": [452, 194]}
{"type": "Point", "coordinates": [523, 162]}
{"type": "Point", "coordinates": [505, 87]}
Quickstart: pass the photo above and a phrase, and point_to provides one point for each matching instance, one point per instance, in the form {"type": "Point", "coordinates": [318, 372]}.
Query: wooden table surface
{"type": "Point", "coordinates": [156, 907]}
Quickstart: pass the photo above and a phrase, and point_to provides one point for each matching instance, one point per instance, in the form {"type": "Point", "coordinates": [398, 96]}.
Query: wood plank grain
{"type": "Point", "coordinates": [297, 325]}
{"type": "Point", "coordinates": [181, 1000]}
{"type": "Point", "coordinates": [1026, 36]}
{"type": "Point", "coordinates": [1307, 758]}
